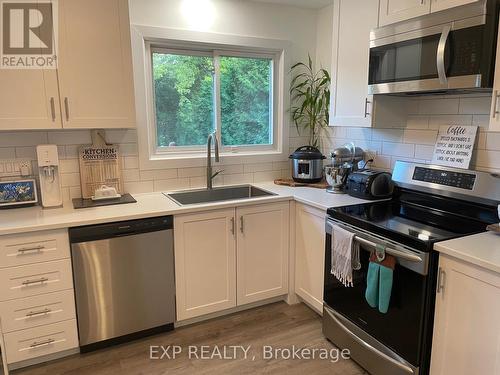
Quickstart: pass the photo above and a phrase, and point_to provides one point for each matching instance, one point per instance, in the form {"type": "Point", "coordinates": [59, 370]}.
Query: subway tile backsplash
{"type": "Point", "coordinates": [412, 141]}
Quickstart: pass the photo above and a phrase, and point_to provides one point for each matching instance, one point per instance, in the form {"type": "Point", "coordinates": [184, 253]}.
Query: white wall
{"type": "Point", "coordinates": [241, 18]}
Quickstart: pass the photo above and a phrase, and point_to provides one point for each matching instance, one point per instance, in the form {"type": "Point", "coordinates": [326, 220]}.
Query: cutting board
{"type": "Point", "coordinates": [100, 165]}
{"type": "Point", "coordinates": [292, 183]}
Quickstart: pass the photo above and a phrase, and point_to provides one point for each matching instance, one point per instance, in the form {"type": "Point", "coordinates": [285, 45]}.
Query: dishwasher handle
{"type": "Point", "coordinates": [120, 229]}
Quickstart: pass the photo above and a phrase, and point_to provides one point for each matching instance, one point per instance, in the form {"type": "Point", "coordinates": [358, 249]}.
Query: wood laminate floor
{"type": "Point", "coordinates": [277, 325]}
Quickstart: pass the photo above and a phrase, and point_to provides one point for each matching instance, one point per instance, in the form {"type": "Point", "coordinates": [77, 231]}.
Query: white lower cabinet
{"type": "Point", "coordinates": [262, 252]}
{"type": "Point", "coordinates": [310, 255]}
{"type": "Point", "coordinates": [31, 312]}
{"type": "Point", "coordinates": [37, 304]}
{"type": "Point", "coordinates": [40, 341]}
{"type": "Point", "coordinates": [205, 263]}
{"type": "Point", "coordinates": [466, 322]}
{"type": "Point", "coordinates": [230, 257]}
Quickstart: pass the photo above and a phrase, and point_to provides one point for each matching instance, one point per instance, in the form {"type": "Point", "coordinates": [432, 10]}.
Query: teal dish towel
{"type": "Point", "coordinates": [372, 284]}
{"type": "Point", "coordinates": [385, 288]}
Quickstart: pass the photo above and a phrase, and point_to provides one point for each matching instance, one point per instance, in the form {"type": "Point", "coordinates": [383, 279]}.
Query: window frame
{"type": "Point", "coordinates": [201, 49]}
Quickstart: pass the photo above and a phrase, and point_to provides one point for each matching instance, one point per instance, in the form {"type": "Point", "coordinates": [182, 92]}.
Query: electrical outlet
{"type": "Point", "coordinates": [25, 168]}
{"type": "Point", "coordinates": [15, 168]}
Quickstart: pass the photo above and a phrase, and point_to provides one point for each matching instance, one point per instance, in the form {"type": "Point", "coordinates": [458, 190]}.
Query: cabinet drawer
{"type": "Point", "coordinates": [40, 341]}
{"type": "Point", "coordinates": [21, 249]}
{"type": "Point", "coordinates": [35, 279]}
{"type": "Point", "coordinates": [38, 310]}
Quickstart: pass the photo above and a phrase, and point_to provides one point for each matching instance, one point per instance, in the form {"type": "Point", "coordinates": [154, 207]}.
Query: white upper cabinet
{"type": "Point", "coordinates": [95, 64]}
{"type": "Point", "coordinates": [438, 5]}
{"type": "Point", "coordinates": [351, 105]}
{"type": "Point", "coordinates": [466, 325]}
{"type": "Point", "coordinates": [262, 252]}
{"type": "Point", "coordinates": [495, 105]}
{"type": "Point", "coordinates": [29, 99]}
{"type": "Point", "coordinates": [392, 11]}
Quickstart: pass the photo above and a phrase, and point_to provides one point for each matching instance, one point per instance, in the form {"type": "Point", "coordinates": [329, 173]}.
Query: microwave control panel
{"type": "Point", "coordinates": [447, 178]}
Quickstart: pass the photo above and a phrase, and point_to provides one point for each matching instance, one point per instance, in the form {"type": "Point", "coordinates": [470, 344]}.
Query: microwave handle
{"type": "Point", "coordinates": [443, 40]}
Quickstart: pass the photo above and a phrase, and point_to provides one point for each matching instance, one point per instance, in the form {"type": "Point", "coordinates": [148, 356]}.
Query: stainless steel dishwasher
{"type": "Point", "coordinates": [124, 280]}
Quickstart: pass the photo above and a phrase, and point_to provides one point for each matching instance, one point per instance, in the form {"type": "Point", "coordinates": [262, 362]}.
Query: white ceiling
{"type": "Point", "coordinates": [315, 4]}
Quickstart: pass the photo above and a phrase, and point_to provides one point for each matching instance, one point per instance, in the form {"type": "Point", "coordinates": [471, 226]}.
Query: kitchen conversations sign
{"type": "Point", "coordinates": [454, 146]}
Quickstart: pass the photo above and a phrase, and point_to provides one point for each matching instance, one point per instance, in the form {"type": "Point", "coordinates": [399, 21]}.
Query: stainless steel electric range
{"type": "Point", "coordinates": [430, 204]}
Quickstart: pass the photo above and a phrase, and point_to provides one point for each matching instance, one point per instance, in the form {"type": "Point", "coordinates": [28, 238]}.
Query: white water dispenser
{"type": "Point", "coordinates": [50, 177]}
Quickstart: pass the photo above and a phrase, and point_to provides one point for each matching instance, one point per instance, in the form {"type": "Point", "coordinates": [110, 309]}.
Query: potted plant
{"type": "Point", "coordinates": [310, 95]}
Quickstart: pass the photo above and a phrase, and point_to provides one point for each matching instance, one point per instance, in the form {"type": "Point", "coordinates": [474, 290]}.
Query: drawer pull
{"type": "Point", "coordinates": [24, 250]}
{"type": "Point", "coordinates": [31, 314]}
{"type": "Point", "coordinates": [42, 343]}
{"type": "Point", "coordinates": [37, 281]}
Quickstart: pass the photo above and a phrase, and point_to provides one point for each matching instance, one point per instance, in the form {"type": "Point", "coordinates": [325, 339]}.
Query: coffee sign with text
{"type": "Point", "coordinates": [29, 31]}
{"type": "Point", "coordinates": [454, 146]}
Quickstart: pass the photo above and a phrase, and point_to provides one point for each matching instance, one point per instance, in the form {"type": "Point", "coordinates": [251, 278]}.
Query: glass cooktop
{"type": "Point", "coordinates": [417, 220]}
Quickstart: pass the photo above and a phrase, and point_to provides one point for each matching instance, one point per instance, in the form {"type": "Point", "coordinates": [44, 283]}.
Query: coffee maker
{"type": "Point", "coordinates": [49, 174]}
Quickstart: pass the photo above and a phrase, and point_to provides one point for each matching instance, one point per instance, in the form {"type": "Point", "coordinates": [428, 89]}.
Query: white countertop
{"type": "Point", "coordinates": [480, 249]}
{"type": "Point", "coordinates": [22, 220]}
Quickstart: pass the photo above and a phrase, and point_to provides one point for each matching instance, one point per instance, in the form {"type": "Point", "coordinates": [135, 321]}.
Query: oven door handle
{"type": "Point", "coordinates": [443, 40]}
{"type": "Point", "coordinates": [394, 252]}
{"type": "Point", "coordinates": [395, 362]}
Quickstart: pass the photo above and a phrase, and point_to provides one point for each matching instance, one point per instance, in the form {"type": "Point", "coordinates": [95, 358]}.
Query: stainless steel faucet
{"type": "Point", "coordinates": [210, 174]}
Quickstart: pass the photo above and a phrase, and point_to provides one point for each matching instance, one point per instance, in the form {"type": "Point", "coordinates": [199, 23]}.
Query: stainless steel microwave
{"type": "Point", "coordinates": [452, 50]}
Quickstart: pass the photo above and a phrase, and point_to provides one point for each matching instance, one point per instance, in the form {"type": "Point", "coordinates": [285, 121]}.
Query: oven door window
{"type": "Point", "coordinates": [400, 328]}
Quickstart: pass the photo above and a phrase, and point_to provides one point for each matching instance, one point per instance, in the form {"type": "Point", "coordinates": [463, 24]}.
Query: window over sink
{"type": "Point", "coordinates": [199, 91]}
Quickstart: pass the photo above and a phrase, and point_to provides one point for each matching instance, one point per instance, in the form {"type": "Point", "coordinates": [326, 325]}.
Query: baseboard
{"type": "Point", "coordinates": [232, 310]}
{"type": "Point", "coordinates": [43, 359]}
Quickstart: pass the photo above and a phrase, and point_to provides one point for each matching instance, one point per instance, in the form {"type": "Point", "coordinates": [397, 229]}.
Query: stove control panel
{"type": "Point", "coordinates": [443, 177]}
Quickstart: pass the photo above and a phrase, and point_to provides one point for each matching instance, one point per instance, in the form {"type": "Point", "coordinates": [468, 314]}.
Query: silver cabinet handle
{"type": "Point", "coordinates": [441, 280]}
{"type": "Point", "coordinates": [66, 107]}
{"type": "Point", "coordinates": [37, 281]}
{"type": "Point", "coordinates": [37, 344]}
{"type": "Point", "coordinates": [24, 250]}
{"type": "Point", "coordinates": [232, 226]}
{"type": "Point", "coordinates": [53, 109]}
{"type": "Point", "coordinates": [36, 313]}
{"type": "Point", "coordinates": [440, 54]}
{"type": "Point", "coordinates": [366, 107]}
{"type": "Point", "coordinates": [242, 229]}
{"type": "Point", "coordinates": [496, 95]}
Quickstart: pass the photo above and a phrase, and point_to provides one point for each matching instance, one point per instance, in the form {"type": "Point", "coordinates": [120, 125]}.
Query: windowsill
{"type": "Point", "coordinates": [200, 159]}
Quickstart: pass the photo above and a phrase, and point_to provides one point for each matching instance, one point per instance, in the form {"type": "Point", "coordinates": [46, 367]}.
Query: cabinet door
{"type": "Point", "coordinates": [29, 99]}
{"type": "Point", "coordinates": [205, 263]}
{"type": "Point", "coordinates": [95, 64]}
{"type": "Point", "coordinates": [466, 326]}
{"type": "Point", "coordinates": [438, 5]}
{"type": "Point", "coordinates": [392, 11]}
{"type": "Point", "coordinates": [351, 105]}
{"type": "Point", "coordinates": [262, 251]}
{"type": "Point", "coordinates": [495, 102]}
{"type": "Point", "coordinates": [310, 255]}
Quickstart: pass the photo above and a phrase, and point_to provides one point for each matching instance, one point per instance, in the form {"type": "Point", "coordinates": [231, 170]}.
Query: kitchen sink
{"type": "Point", "coordinates": [217, 194]}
